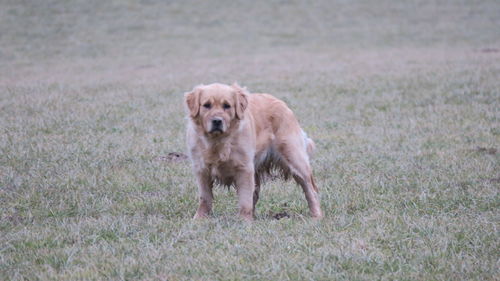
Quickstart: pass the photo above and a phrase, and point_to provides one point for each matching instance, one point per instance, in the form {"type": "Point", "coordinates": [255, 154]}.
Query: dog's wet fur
{"type": "Point", "coordinates": [240, 139]}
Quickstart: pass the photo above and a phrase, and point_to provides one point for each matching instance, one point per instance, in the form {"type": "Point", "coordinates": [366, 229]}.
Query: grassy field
{"type": "Point", "coordinates": [401, 97]}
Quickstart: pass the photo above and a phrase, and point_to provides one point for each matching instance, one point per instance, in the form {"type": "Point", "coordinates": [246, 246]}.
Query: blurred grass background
{"type": "Point", "coordinates": [401, 98]}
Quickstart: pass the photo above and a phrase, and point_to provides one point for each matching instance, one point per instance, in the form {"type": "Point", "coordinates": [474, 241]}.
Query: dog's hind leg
{"type": "Point", "coordinates": [295, 156]}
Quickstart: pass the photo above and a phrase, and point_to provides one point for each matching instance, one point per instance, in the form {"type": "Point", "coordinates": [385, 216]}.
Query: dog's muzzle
{"type": "Point", "coordinates": [217, 125]}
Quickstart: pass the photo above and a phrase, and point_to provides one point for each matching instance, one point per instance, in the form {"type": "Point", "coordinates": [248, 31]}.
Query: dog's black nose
{"type": "Point", "coordinates": [217, 123]}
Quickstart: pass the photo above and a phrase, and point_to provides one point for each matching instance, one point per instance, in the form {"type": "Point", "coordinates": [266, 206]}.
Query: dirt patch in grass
{"type": "Point", "coordinates": [487, 150]}
{"type": "Point", "coordinates": [490, 50]}
{"type": "Point", "coordinates": [173, 157]}
{"type": "Point", "coordinates": [280, 215]}
{"type": "Point", "coordinates": [495, 180]}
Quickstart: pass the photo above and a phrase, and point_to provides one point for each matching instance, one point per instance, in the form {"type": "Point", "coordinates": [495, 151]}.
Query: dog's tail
{"type": "Point", "coordinates": [309, 144]}
{"type": "Point", "coordinates": [310, 147]}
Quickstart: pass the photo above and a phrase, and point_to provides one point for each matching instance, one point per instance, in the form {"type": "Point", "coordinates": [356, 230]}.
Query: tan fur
{"type": "Point", "coordinates": [259, 135]}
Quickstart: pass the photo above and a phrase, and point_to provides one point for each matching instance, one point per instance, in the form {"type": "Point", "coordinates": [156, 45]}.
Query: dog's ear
{"type": "Point", "coordinates": [241, 100]}
{"type": "Point", "coordinates": [193, 101]}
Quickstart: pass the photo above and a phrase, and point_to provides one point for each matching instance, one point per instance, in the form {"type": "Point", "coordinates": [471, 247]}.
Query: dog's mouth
{"type": "Point", "coordinates": [216, 131]}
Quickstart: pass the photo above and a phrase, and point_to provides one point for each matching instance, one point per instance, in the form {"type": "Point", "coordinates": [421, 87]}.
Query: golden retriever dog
{"type": "Point", "coordinates": [237, 138]}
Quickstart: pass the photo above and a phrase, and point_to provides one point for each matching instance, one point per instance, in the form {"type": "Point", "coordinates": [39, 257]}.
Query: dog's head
{"type": "Point", "coordinates": [217, 108]}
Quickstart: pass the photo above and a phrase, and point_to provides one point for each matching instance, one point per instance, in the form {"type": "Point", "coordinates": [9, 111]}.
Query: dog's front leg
{"type": "Point", "coordinates": [205, 185]}
{"type": "Point", "coordinates": [245, 186]}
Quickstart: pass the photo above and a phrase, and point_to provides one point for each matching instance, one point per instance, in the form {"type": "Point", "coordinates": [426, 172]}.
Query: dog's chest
{"type": "Point", "coordinates": [223, 173]}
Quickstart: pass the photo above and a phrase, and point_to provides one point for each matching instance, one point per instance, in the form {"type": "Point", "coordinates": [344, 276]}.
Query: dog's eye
{"type": "Point", "coordinates": [226, 106]}
{"type": "Point", "coordinates": [207, 105]}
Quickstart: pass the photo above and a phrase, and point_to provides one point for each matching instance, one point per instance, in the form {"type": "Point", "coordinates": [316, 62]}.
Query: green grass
{"type": "Point", "coordinates": [402, 100]}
